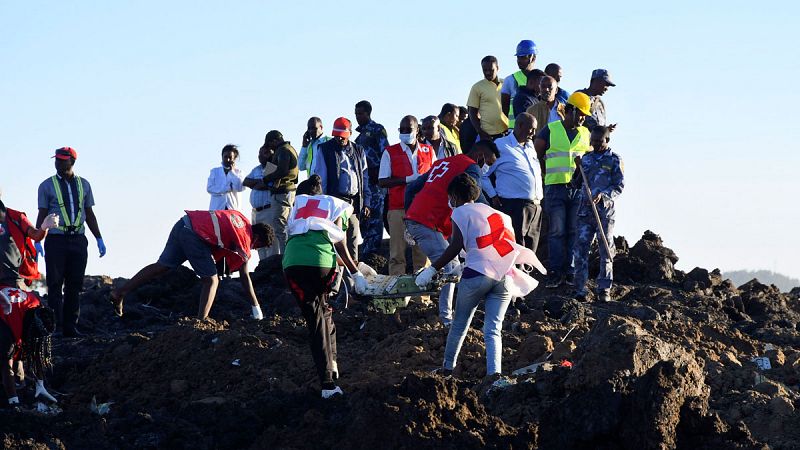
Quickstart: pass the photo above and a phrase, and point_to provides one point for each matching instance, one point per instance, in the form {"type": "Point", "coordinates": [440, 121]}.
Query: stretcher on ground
{"type": "Point", "coordinates": [387, 293]}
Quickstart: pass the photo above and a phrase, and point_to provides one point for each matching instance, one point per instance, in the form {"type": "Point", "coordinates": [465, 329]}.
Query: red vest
{"type": "Point", "coordinates": [401, 167]}
{"type": "Point", "coordinates": [228, 233]}
{"type": "Point", "coordinates": [29, 269]}
{"type": "Point", "coordinates": [21, 302]}
{"type": "Point", "coordinates": [430, 206]}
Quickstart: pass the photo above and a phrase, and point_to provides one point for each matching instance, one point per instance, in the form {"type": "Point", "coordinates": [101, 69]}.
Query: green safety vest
{"type": "Point", "coordinates": [522, 80]}
{"type": "Point", "coordinates": [559, 159]}
{"type": "Point", "coordinates": [66, 223]}
{"type": "Point", "coordinates": [310, 151]}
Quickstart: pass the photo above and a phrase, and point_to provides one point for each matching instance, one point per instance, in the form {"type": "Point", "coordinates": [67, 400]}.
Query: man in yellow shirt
{"type": "Point", "coordinates": [485, 111]}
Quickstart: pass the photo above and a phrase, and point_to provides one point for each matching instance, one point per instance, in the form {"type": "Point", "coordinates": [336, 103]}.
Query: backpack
{"type": "Point", "coordinates": [29, 268]}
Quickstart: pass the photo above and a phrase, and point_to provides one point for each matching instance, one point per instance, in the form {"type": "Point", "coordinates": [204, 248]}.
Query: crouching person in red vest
{"type": "Point", "coordinates": [25, 325]}
{"type": "Point", "coordinates": [203, 238]}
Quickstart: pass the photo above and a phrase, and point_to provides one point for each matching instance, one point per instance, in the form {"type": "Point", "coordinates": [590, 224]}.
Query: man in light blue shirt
{"type": "Point", "coordinates": [260, 194]}
{"type": "Point", "coordinates": [517, 189]}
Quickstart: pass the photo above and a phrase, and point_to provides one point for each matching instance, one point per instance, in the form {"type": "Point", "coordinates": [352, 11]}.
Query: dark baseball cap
{"type": "Point", "coordinates": [603, 74]}
{"type": "Point", "coordinates": [274, 134]}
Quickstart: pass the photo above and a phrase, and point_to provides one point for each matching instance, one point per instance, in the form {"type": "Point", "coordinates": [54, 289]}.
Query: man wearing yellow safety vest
{"type": "Point", "coordinates": [526, 58]}
{"type": "Point", "coordinates": [70, 197]}
{"type": "Point", "coordinates": [311, 139]}
{"type": "Point", "coordinates": [557, 145]}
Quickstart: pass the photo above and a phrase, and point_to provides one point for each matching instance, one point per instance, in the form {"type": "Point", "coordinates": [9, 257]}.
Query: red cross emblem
{"type": "Point", "coordinates": [311, 209]}
{"type": "Point", "coordinates": [498, 237]}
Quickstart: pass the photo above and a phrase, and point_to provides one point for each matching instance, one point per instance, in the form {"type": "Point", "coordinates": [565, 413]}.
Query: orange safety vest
{"type": "Point", "coordinates": [401, 167]}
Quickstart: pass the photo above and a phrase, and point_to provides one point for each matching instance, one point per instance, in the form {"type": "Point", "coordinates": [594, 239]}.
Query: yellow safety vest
{"type": "Point", "coordinates": [66, 224]}
{"type": "Point", "coordinates": [559, 159]}
{"type": "Point", "coordinates": [310, 151]}
{"type": "Point", "coordinates": [522, 80]}
{"type": "Point", "coordinates": [452, 136]}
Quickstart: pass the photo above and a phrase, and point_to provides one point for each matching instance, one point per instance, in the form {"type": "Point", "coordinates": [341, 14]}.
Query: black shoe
{"type": "Point", "coordinates": [570, 280]}
{"type": "Point", "coordinates": [555, 282]}
{"type": "Point", "coordinates": [581, 297]}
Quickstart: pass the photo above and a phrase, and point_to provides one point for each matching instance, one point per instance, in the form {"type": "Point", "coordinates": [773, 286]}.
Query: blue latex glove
{"type": "Point", "coordinates": [101, 246]}
{"type": "Point", "coordinates": [39, 250]}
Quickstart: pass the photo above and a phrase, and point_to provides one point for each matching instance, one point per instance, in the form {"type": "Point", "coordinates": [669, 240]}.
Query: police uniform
{"type": "Point", "coordinates": [604, 172]}
{"type": "Point", "coordinates": [373, 138]}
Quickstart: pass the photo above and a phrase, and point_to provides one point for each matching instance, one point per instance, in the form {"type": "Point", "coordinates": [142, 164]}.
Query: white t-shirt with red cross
{"type": "Point", "coordinates": [491, 249]}
{"type": "Point", "coordinates": [318, 212]}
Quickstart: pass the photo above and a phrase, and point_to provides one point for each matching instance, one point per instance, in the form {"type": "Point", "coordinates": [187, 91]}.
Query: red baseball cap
{"type": "Point", "coordinates": [341, 127]}
{"type": "Point", "coordinates": [66, 153]}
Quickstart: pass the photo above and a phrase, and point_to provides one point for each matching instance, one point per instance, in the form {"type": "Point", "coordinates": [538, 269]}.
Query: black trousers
{"type": "Point", "coordinates": [65, 260]}
{"type": "Point", "coordinates": [526, 217]}
{"type": "Point", "coordinates": [311, 286]}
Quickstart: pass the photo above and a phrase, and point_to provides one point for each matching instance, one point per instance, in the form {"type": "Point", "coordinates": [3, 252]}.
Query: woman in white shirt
{"type": "Point", "coordinates": [225, 182]}
{"type": "Point", "coordinates": [490, 272]}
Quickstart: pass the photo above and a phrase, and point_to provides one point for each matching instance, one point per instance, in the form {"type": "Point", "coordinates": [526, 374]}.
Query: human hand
{"type": "Point", "coordinates": [101, 246]}
{"type": "Point", "coordinates": [366, 270]}
{"type": "Point", "coordinates": [39, 249]}
{"type": "Point", "coordinates": [366, 212]}
{"type": "Point", "coordinates": [425, 277]}
{"type": "Point", "coordinates": [496, 203]}
{"type": "Point", "coordinates": [361, 284]}
{"type": "Point", "coordinates": [51, 221]}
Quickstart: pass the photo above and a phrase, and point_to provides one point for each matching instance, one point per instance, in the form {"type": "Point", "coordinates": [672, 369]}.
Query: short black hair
{"type": "Point", "coordinates": [463, 111]}
{"type": "Point", "coordinates": [265, 233]}
{"type": "Point", "coordinates": [310, 186]}
{"type": "Point", "coordinates": [315, 119]}
{"type": "Point", "coordinates": [411, 119]}
{"type": "Point", "coordinates": [464, 188]}
{"type": "Point", "coordinates": [231, 148]}
{"type": "Point", "coordinates": [488, 59]}
{"type": "Point", "coordinates": [536, 73]}
{"type": "Point", "coordinates": [604, 130]}
{"type": "Point", "coordinates": [490, 145]}
{"type": "Point", "coordinates": [551, 69]}
{"type": "Point", "coordinates": [447, 108]}
{"type": "Point", "coordinates": [365, 105]}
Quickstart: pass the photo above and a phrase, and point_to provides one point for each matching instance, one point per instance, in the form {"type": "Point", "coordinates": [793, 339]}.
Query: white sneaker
{"type": "Point", "coordinates": [257, 314]}
{"type": "Point", "coordinates": [328, 393]}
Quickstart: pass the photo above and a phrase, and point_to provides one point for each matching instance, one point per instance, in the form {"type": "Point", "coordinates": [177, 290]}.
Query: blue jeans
{"type": "Point", "coordinates": [561, 206]}
{"type": "Point", "coordinates": [470, 292]}
{"type": "Point", "coordinates": [433, 244]}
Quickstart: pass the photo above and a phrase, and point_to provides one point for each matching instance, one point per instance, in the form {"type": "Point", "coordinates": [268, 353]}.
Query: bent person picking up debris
{"type": "Point", "coordinates": [203, 238]}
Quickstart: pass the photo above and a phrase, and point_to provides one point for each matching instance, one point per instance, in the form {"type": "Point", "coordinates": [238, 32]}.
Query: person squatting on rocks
{"type": "Point", "coordinates": [202, 238]}
{"type": "Point", "coordinates": [26, 325]}
{"type": "Point", "coordinates": [342, 168]}
{"type": "Point", "coordinates": [373, 139]}
{"type": "Point", "coordinates": [65, 249]}
{"type": "Point", "coordinates": [401, 164]}
{"type": "Point", "coordinates": [428, 209]}
{"type": "Point", "coordinates": [316, 240]}
{"type": "Point", "coordinates": [488, 274]}
{"type": "Point", "coordinates": [604, 172]}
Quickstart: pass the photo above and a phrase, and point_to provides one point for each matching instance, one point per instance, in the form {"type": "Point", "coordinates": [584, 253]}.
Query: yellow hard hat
{"type": "Point", "coordinates": [581, 101]}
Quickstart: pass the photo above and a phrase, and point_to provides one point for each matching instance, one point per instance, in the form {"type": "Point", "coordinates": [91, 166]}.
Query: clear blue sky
{"type": "Point", "coordinates": [149, 92]}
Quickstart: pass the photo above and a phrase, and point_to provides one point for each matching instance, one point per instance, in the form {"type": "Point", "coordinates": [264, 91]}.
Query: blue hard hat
{"type": "Point", "coordinates": [526, 47]}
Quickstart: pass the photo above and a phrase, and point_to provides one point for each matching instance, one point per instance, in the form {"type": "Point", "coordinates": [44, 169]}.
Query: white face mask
{"type": "Point", "coordinates": [485, 169]}
{"type": "Point", "coordinates": [408, 138]}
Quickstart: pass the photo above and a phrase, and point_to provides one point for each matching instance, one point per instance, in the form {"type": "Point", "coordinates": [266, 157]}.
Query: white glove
{"type": "Point", "coordinates": [366, 270]}
{"type": "Point", "coordinates": [411, 178]}
{"type": "Point", "coordinates": [13, 400]}
{"type": "Point", "coordinates": [361, 283]}
{"type": "Point", "coordinates": [5, 304]}
{"type": "Point", "coordinates": [456, 271]}
{"type": "Point", "coordinates": [425, 277]}
{"type": "Point", "coordinates": [257, 314]}
{"type": "Point", "coordinates": [51, 221]}
{"type": "Point", "coordinates": [409, 239]}
{"type": "Point", "coordinates": [41, 392]}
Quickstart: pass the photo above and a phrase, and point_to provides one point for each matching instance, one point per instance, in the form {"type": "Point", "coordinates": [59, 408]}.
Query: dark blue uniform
{"type": "Point", "coordinates": [372, 137]}
{"type": "Point", "coordinates": [604, 174]}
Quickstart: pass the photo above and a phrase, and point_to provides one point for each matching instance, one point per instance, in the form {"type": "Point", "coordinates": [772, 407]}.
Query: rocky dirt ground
{"type": "Point", "coordinates": [667, 365]}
